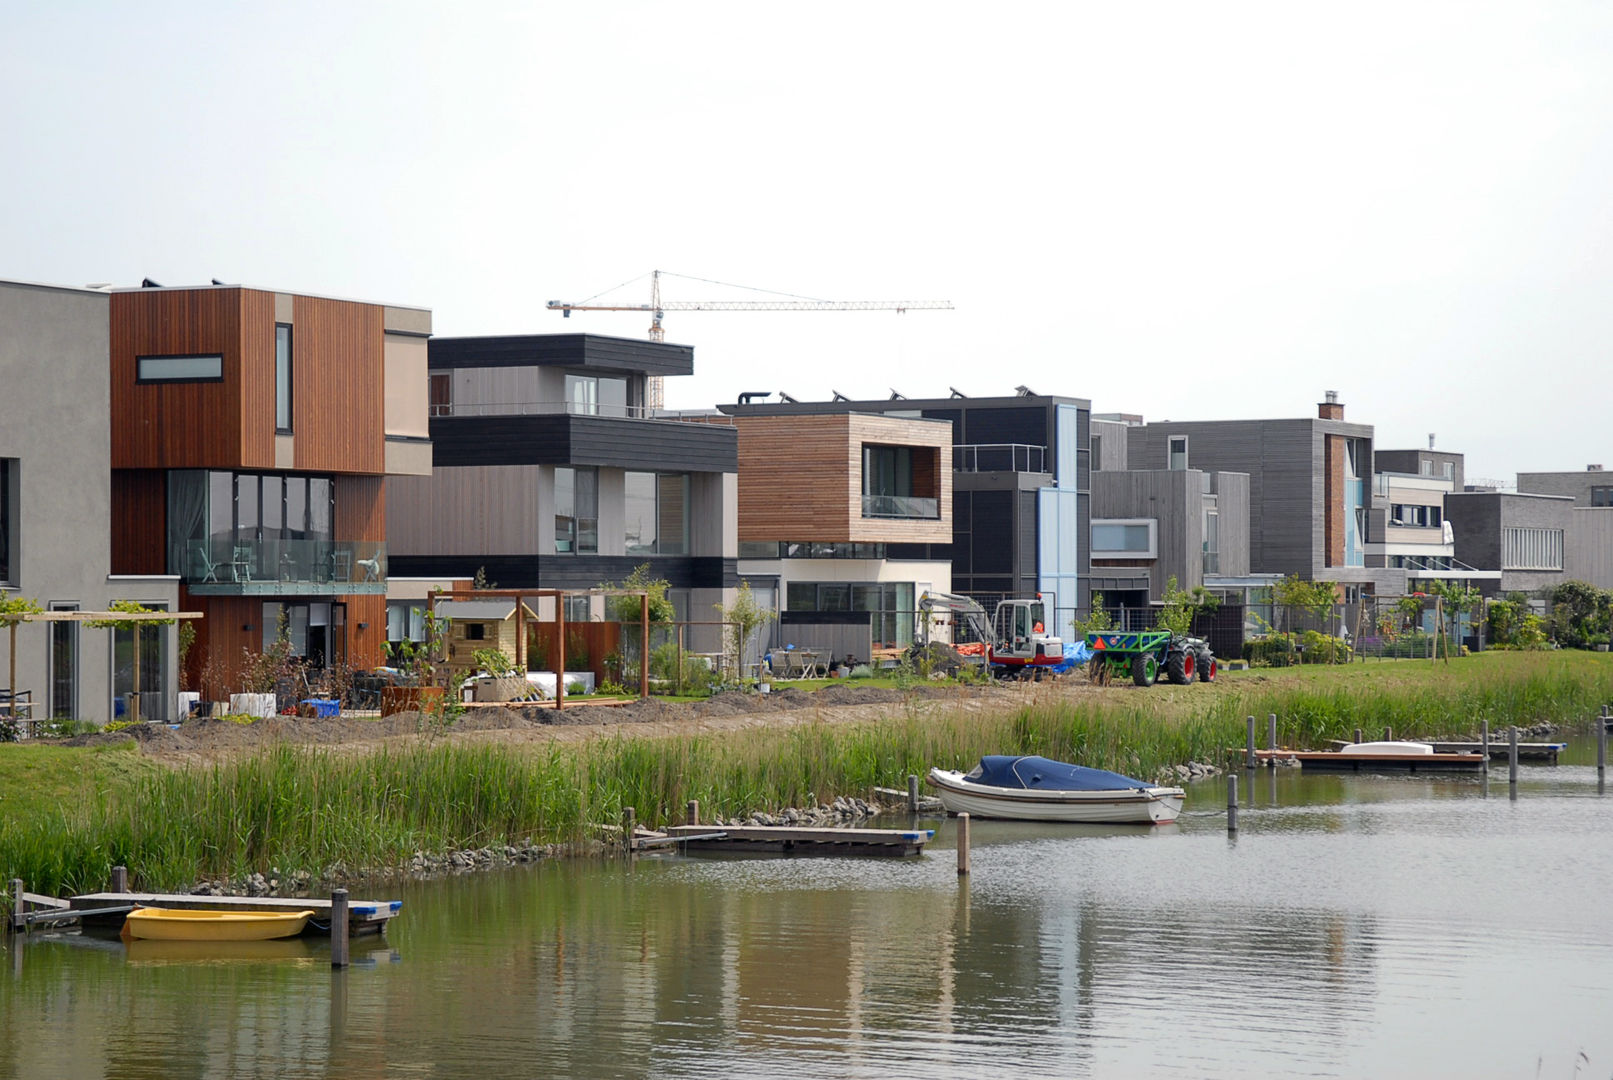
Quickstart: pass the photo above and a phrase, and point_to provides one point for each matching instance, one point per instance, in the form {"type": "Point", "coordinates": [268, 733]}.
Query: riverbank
{"type": "Point", "coordinates": [71, 813]}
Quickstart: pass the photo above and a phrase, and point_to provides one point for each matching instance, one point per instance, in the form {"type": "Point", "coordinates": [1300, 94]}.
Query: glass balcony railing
{"type": "Point", "coordinates": [224, 567]}
{"type": "Point", "coordinates": [901, 506]}
{"type": "Point", "coordinates": [998, 457]}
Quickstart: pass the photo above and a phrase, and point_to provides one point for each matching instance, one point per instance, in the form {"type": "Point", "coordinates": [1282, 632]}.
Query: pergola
{"type": "Point", "coordinates": [559, 597]}
{"type": "Point", "coordinates": [15, 618]}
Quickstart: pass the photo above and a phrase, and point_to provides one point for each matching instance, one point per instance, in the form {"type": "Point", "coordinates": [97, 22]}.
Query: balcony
{"type": "Point", "coordinates": [908, 507]}
{"type": "Point", "coordinates": [284, 567]}
{"type": "Point", "coordinates": [999, 457]}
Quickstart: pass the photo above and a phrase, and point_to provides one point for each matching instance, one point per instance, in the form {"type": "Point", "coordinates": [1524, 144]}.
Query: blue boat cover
{"type": "Point", "coordinates": [1045, 774]}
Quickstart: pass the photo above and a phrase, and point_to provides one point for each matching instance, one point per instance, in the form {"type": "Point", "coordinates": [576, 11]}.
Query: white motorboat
{"type": "Point", "coordinates": [1040, 789]}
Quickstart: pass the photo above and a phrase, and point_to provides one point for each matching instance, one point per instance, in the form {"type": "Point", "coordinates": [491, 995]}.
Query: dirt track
{"type": "Point", "coordinates": [215, 739]}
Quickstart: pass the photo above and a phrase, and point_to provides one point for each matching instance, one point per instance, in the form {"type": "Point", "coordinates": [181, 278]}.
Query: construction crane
{"type": "Point", "coordinates": [657, 307]}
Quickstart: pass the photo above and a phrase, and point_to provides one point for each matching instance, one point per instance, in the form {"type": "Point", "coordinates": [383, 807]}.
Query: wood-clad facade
{"type": "Point", "coordinates": [802, 478]}
{"type": "Point", "coordinates": [250, 437]}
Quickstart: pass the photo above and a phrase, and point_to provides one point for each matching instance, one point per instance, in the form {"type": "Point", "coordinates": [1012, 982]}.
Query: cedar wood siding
{"type": "Point", "coordinates": [800, 478]}
{"type": "Point", "coordinates": [339, 385]}
{"type": "Point", "coordinates": [139, 521]}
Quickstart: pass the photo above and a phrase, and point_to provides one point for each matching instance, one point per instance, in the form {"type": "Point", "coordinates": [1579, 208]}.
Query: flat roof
{"type": "Point", "coordinates": [48, 285]}
{"type": "Point", "coordinates": [259, 288]}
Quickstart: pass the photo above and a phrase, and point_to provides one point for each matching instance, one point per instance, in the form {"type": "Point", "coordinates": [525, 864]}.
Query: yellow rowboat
{"type": "Point", "coordinates": [169, 924]}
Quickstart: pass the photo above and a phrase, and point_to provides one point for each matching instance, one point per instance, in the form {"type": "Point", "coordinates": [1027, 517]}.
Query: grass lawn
{"type": "Point", "coordinates": [38, 778]}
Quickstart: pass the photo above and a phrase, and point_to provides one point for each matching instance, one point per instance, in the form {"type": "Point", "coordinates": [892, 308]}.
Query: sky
{"type": "Point", "coordinates": [1180, 210]}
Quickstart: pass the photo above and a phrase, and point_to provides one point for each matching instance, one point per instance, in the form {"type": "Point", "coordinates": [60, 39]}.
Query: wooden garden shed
{"type": "Point", "coordinates": [482, 624]}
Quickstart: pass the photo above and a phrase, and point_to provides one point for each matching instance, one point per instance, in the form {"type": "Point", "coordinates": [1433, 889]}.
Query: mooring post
{"type": "Point", "coordinates": [1249, 748]}
{"type": "Point", "coordinates": [1357, 734]}
{"type": "Point", "coordinates": [1271, 738]}
{"type": "Point", "coordinates": [1389, 734]}
{"type": "Point", "coordinates": [629, 826]}
{"type": "Point", "coordinates": [1232, 802]}
{"type": "Point", "coordinates": [963, 844]}
{"type": "Point", "coordinates": [912, 794]}
{"type": "Point", "coordinates": [1484, 739]}
{"type": "Point", "coordinates": [19, 911]}
{"type": "Point", "coordinates": [693, 815]}
{"type": "Point", "coordinates": [1512, 755]}
{"type": "Point", "coordinates": [338, 928]}
{"type": "Point", "coordinates": [120, 879]}
{"type": "Point", "coordinates": [1601, 744]}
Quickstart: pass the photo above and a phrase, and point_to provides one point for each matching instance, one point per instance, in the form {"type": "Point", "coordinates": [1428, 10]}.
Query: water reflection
{"type": "Point", "coordinates": [1351, 918]}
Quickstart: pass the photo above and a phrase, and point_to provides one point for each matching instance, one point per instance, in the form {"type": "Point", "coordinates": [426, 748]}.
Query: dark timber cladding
{"type": "Point", "coordinates": [589, 351]}
{"type": "Point", "coordinates": [563, 439]}
{"type": "Point", "coordinates": [571, 571]}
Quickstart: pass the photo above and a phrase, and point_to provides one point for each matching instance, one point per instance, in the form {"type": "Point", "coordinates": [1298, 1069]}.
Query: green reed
{"type": "Point", "coordinates": [298, 808]}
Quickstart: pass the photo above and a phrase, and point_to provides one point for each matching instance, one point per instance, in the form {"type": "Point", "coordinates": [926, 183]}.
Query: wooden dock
{"type": "Point", "coordinates": [107, 909]}
{"type": "Point", "coordinates": [790, 840]}
{"type": "Point", "coordinates": [1540, 752]}
{"type": "Point", "coordinates": [1334, 761]}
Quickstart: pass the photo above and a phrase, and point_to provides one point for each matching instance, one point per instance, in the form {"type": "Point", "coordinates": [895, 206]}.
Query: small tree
{"type": "Point", "coordinates": [1182, 607]}
{"type": "Point", "coordinates": [628, 608]}
{"type": "Point", "coordinates": [1098, 618]}
{"type": "Point", "coordinates": [744, 617]}
{"type": "Point", "coordinates": [15, 610]}
{"type": "Point", "coordinates": [1456, 600]}
{"type": "Point", "coordinates": [130, 607]}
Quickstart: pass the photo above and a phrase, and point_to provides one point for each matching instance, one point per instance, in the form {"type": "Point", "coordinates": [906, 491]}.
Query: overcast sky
{"type": "Point", "coordinates": [1188, 211]}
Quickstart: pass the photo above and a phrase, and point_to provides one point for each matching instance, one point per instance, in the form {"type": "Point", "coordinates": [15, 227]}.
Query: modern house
{"type": "Point", "coordinates": [1149, 526]}
{"type": "Point", "coordinates": [1522, 535]}
{"type": "Point", "coordinates": [252, 432]}
{"type": "Point", "coordinates": [56, 520]}
{"type": "Point", "coordinates": [1310, 483]}
{"type": "Point", "coordinates": [1020, 499]}
{"type": "Point", "coordinates": [550, 471]}
{"type": "Point", "coordinates": [1588, 543]}
{"type": "Point", "coordinates": [824, 501]}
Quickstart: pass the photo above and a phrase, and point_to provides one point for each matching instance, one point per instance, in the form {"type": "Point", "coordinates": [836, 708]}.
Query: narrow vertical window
{"type": "Point", "coordinates": [282, 378]}
{"type": "Point", "coordinates": [1178, 452]}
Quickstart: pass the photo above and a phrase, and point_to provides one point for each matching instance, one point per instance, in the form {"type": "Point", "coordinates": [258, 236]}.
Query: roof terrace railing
{"type": "Point", "coordinates": [998, 457]}
{"type": "Point", "coordinates": [570, 408]}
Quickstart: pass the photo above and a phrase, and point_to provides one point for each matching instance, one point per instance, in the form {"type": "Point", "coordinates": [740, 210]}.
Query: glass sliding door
{"type": "Point", "coordinates": [153, 664]}
{"type": "Point", "coordinates": [64, 644]}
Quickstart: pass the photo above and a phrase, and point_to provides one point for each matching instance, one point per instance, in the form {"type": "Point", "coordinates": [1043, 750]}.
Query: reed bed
{"type": "Point", "coordinates": [298, 808]}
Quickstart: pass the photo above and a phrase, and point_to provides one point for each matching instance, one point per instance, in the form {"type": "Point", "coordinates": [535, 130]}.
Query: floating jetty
{"type": "Point", "coordinates": [788, 840]}
{"type": "Point", "coordinates": [1540, 752]}
{"type": "Point", "coordinates": [107, 910]}
{"type": "Point", "coordinates": [1375, 762]}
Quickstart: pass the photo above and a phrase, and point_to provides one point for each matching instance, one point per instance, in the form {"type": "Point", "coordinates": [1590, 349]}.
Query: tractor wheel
{"type": "Point", "coordinates": [1206, 666]}
{"type": "Point", "coordinates": [1179, 667]}
{"type": "Point", "coordinates": [1144, 669]}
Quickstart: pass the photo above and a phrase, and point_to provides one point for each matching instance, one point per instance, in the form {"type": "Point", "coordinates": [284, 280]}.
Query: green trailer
{"type": "Point", "coordinates": [1144, 655]}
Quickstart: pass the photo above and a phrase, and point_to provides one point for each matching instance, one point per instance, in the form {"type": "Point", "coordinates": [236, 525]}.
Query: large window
{"type": "Point", "coordinates": [282, 378]}
{"type": "Point", "coordinates": [225, 526]}
{"type": "Point", "coordinates": [1124, 538]}
{"type": "Point", "coordinates": [576, 510]}
{"type": "Point", "coordinates": [1415, 515]}
{"type": "Point", "coordinates": [1601, 496]}
{"type": "Point", "coordinates": [208, 368]}
{"type": "Point", "coordinates": [1531, 549]}
{"type": "Point", "coordinates": [154, 696]}
{"type": "Point", "coordinates": [890, 489]}
{"type": "Point", "coordinates": [657, 513]}
{"type": "Point", "coordinates": [8, 519]}
{"type": "Point", "coordinates": [64, 637]}
{"type": "Point", "coordinates": [596, 395]}
{"type": "Point", "coordinates": [892, 613]}
{"type": "Point", "coordinates": [1177, 452]}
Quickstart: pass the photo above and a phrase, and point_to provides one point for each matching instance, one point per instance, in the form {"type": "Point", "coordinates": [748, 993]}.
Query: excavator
{"type": "Point", "coordinates": [1017, 643]}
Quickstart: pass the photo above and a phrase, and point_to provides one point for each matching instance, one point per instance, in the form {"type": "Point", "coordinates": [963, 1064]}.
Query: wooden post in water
{"type": "Point", "coordinates": [963, 844]}
{"type": "Point", "coordinates": [1232, 802]}
{"type": "Point", "coordinates": [19, 910]}
{"type": "Point", "coordinates": [1249, 748]}
{"type": "Point", "coordinates": [120, 879]}
{"type": "Point", "coordinates": [1357, 734]}
{"type": "Point", "coordinates": [1601, 744]}
{"type": "Point", "coordinates": [1271, 738]}
{"type": "Point", "coordinates": [1389, 734]}
{"type": "Point", "coordinates": [1484, 738]}
{"type": "Point", "coordinates": [338, 928]}
{"type": "Point", "coordinates": [1512, 756]}
{"type": "Point", "coordinates": [912, 794]}
{"type": "Point", "coordinates": [692, 817]}
{"type": "Point", "coordinates": [629, 825]}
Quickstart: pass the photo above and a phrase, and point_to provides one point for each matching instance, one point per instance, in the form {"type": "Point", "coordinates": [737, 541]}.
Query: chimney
{"type": "Point", "coordinates": [1430, 440]}
{"type": "Point", "coordinates": [1330, 409]}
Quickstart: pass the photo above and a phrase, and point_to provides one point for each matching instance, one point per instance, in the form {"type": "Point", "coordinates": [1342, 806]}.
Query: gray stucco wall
{"type": "Point", "coordinates": [54, 419]}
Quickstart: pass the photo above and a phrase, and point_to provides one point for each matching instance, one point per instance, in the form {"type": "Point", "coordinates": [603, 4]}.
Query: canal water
{"type": "Point", "coordinates": [1356, 927]}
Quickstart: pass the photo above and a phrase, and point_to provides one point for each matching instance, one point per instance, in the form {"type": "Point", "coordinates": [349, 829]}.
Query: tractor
{"type": "Point", "coordinates": [1146, 654]}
